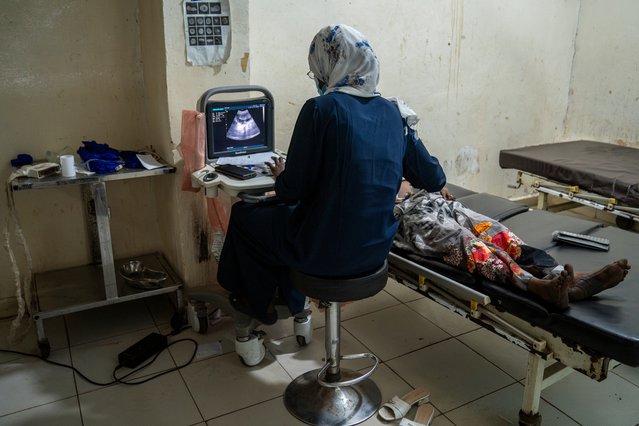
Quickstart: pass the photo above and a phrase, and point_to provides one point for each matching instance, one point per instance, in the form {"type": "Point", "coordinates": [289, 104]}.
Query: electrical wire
{"type": "Point", "coordinates": [120, 379]}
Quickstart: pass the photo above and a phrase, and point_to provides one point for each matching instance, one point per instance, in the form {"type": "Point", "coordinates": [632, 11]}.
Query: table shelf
{"type": "Point", "coordinates": [81, 288]}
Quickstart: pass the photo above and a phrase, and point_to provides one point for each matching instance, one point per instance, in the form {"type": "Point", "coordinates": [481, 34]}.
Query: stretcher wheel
{"type": "Point", "coordinates": [526, 419]}
{"type": "Point", "coordinates": [45, 348]}
{"type": "Point", "coordinates": [301, 340]}
{"type": "Point", "coordinates": [624, 222]}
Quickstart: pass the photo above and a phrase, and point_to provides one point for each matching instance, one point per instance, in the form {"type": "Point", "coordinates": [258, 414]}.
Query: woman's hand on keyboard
{"type": "Point", "coordinates": [277, 166]}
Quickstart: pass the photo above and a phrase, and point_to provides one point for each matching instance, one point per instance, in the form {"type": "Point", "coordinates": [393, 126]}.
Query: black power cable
{"type": "Point", "coordinates": [120, 379]}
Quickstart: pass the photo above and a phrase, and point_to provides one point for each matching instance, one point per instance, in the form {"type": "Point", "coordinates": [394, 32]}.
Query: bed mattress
{"type": "Point", "coordinates": [602, 168]}
{"type": "Point", "coordinates": [605, 324]}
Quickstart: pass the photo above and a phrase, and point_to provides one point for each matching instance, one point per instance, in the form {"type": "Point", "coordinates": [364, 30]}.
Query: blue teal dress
{"type": "Point", "coordinates": [345, 164]}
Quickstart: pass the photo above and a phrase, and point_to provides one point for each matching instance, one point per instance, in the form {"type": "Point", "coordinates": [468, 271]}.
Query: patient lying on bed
{"type": "Point", "coordinates": [435, 225]}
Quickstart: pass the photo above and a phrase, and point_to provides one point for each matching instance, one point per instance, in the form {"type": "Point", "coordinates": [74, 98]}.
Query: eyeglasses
{"type": "Point", "coordinates": [310, 75]}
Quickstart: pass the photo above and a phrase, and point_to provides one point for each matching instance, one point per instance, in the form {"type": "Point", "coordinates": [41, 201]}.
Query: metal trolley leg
{"type": "Point", "coordinates": [529, 414]}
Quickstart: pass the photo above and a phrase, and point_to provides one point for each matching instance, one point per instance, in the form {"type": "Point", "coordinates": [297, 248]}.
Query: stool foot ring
{"type": "Point", "coordinates": [315, 404]}
{"type": "Point", "coordinates": [352, 381]}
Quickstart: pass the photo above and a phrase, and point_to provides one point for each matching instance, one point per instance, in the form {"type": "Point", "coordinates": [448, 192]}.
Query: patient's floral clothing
{"type": "Point", "coordinates": [431, 226]}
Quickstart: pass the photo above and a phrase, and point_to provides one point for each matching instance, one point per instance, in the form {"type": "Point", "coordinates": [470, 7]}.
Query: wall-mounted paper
{"type": "Point", "coordinates": [207, 27]}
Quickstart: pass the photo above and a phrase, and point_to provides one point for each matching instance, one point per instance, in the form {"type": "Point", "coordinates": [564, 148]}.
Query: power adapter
{"type": "Point", "coordinates": [134, 355]}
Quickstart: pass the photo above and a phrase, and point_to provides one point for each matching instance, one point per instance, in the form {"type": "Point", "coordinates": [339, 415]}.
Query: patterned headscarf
{"type": "Point", "coordinates": [342, 57]}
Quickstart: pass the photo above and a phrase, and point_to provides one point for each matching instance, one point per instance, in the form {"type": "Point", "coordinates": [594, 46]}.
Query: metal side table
{"type": "Point", "coordinates": [91, 286]}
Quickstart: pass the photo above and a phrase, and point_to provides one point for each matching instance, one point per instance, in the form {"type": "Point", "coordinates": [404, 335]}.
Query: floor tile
{"type": "Point", "coordinates": [441, 421]}
{"type": "Point", "coordinates": [54, 329]}
{"type": "Point", "coordinates": [629, 373]}
{"type": "Point", "coordinates": [274, 412]}
{"type": "Point", "coordinates": [611, 402]}
{"type": "Point", "coordinates": [108, 321]}
{"type": "Point", "coordinates": [219, 339]}
{"type": "Point", "coordinates": [449, 321]}
{"type": "Point", "coordinates": [60, 413]}
{"type": "Point", "coordinates": [270, 413]}
{"type": "Point", "coordinates": [298, 360]}
{"type": "Point", "coordinates": [502, 408]}
{"type": "Point", "coordinates": [401, 292]}
{"type": "Point", "coordinates": [454, 374]}
{"type": "Point", "coordinates": [379, 301]}
{"type": "Point", "coordinates": [505, 355]}
{"type": "Point", "coordinates": [223, 384]}
{"type": "Point", "coordinates": [394, 331]}
{"type": "Point", "coordinates": [97, 360]}
{"type": "Point", "coordinates": [28, 382]}
{"type": "Point", "coordinates": [162, 401]}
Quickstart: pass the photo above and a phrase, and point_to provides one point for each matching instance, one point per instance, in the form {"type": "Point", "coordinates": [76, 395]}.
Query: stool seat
{"type": "Point", "coordinates": [345, 289]}
{"type": "Point", "coordinates": [332, 396]}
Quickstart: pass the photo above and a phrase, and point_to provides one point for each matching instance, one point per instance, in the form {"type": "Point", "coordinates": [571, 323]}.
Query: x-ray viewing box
{"type": "Point", "coordinates": [585, 337]}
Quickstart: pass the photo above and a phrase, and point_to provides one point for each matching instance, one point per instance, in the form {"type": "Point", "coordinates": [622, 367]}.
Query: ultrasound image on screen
{"type": "Point", "coordinates": [243, 127]}
{"type": "Point", "coordinates": [236, 128]}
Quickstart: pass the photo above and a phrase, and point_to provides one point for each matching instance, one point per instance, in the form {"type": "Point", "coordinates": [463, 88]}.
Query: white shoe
{"type": "Point", "coordinates": [251, 351]}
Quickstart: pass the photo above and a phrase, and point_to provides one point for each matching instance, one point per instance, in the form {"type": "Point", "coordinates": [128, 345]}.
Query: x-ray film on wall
{"type": "Point", "coordinates": [207, 26]}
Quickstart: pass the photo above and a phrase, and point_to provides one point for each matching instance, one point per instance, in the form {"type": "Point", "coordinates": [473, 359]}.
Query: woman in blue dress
{"type": "Point", "coordinates": [348, 153]}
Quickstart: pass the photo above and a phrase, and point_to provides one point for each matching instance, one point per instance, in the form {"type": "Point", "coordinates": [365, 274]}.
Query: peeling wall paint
{"type": "Point", "coordinates": [244, 62]}
{"type": "Point", "coordinates": [467, 161]}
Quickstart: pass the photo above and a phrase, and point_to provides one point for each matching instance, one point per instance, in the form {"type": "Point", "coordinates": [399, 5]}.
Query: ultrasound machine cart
{"type": "Point", "coordinates": [249, 343]}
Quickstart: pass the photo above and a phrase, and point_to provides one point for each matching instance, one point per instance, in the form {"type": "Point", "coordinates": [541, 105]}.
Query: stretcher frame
{"type": "Point", "coordinates": [626, 216]}
{"type": "Point", "coordinates": [543, 347]}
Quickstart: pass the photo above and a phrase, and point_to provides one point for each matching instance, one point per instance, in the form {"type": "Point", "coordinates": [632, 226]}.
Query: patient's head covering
{"type": "Point", "coordinates": [342, 57]}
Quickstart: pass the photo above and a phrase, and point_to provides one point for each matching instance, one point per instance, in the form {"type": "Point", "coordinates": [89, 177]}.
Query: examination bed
{"type": "Point", "coordinates": [586, 337]}
{"type": "Point", "coordinates": [600, 175]}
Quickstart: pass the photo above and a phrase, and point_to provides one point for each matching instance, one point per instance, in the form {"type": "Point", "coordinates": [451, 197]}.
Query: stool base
{"type": "Point", "coordinates": [314, 404]}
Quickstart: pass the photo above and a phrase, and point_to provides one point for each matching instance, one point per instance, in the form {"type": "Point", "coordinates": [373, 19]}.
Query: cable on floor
{"type": "Point", "coordinates": [121, 379]}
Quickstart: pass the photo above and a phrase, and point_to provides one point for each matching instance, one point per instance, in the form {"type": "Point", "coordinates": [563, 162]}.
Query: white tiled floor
{"type": "Point", "coordinates": [475, 377]}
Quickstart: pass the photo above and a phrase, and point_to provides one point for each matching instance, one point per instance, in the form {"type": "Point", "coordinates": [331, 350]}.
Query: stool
{"type": "Point", "coordinates": [332, 395]}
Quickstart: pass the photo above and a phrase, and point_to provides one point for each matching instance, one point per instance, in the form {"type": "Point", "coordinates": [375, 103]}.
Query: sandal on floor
{"type": "Point", "coordinates": [423, 416]}
{"type": "Point", "coordinates": [397, 407]}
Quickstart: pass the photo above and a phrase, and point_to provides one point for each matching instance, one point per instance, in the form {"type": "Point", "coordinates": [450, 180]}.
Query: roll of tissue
{"type": "Point", "coordinates": [67, 165]}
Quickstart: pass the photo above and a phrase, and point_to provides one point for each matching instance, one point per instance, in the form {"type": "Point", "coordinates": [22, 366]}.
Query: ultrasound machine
{"type": "Point", "coordinates": [239, 139]}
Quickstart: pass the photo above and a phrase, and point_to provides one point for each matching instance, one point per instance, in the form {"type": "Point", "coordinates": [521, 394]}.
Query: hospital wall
{"type": "Point", "coordinates": [604, 89]}
{"type": "Point", "coordinates": [482, 75]}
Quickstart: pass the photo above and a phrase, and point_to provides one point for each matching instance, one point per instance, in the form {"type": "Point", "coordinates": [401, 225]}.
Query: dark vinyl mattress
{"type": "Point", "coordinates": [602, 168]}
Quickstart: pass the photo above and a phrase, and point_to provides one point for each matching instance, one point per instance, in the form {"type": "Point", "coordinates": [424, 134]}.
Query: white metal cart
{"type": "Point", "coordinates": [91, 286]}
